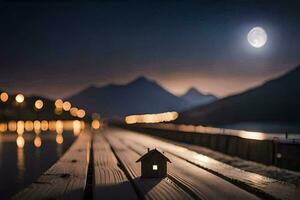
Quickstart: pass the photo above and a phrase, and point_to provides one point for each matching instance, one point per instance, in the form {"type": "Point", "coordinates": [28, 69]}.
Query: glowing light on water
{"type": "Point", "coordinates": [3, 127]}
{"type": "Point", "coordinates": [39, 104]}
{"type": "Point", "coordinates": [76, 127]}
{"type": "Point", "coordinates": [44, 125]}
{"type": "Point", "coordinates": [20, 98]}
{"type": "Point", "coordinates": [151, 118]}
{"type": "Point", "coordinates": [59, 127]}
{"type": "Point", "coordinates": [20, 127]}
{"type": "Point", "coordinates": [59, 139]}
{"type": "Point", "coordinates": [37, 126]}
{"type": "Point", "coordinates": [52, 125]}
{"type": "Point", "coordinates": [20, 163]}
{"type": "Point", "coordinates": [37, 142]}
{"type": "Point", "coordinates": [4, 96]}
{"type": "Point", "coordinates": [96, 124]}
{"type": "Point", "coordinates": [20, 141]}
{"type": "Point", "coordinates": [29, 126]}
{"type": "Point", "coordinates": [12, 126]}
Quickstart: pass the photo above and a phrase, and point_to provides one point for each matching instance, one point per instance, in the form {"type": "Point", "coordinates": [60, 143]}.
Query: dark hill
{"type": "Point", "coordinates": [277, 100]}
{"type": "Point", "coordinates": [139, 96]}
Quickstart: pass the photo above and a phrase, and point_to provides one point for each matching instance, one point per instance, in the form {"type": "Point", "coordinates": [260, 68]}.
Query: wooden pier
{"type": "Point", "coordinates": [102, 165]}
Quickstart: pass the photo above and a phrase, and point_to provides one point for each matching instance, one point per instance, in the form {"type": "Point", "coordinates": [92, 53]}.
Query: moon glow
{"type": "Point", "coordinates": [257, 37]}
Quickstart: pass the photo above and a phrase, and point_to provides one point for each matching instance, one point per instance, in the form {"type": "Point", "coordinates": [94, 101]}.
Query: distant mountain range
{"type": "Point", "coordinates": [277, 100]}
{"type": "Point", "coordinates": [137, 97]}
{"type": "Point", "coordinates": [194, 98]}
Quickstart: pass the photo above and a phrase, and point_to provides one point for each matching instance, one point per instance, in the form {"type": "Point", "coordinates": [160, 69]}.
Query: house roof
{"type": "Point", "coordinates": [152, 152]}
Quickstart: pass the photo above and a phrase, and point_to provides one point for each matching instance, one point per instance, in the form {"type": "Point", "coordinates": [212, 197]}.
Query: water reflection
{"type": "Point", "coordinates": [76, 127]}
{"type": "Point", "coordinates": [12, 126]}
{"type": "Point", "coordinates": [20, 142]}
{"type": "Point", "coordinates": [20, 162]}
{"type": "Point", "coordinates": [28, 126]}
{"type": "Point", "coordinates": [37, 126]}
{"type": "Point", "coordinates": [37, 142]}
{"type": "Point", "coordinates": [44, 125]}
{"type": "Point", "coordinates": [59, 148]}
{"type": "Point", "coordinates": [59, 127]}
{"type": "Point", "coordinates": [20, 127]}
{"type": "Point", "coordinates": [59, 139]}
{"type": "Point", "coordinates": [96, 124]}
{"type": "Point", "coordinates": [29, 148]}
{"type": "Point", "coordinates": [52, 125]}
{"type": "Point", "coordinates": [3, 127]}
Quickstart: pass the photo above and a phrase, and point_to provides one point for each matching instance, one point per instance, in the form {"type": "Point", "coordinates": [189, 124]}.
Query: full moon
{"type": "Point", "coordinates": [257, 37]}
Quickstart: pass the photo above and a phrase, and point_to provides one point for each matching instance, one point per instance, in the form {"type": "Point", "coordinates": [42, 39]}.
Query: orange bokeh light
{"type": "Point", "coordinates": [4, 96]}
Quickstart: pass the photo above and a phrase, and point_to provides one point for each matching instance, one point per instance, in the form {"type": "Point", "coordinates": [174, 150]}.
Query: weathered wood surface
{"type": "Point", "coordinates": [271, 187]}
{"type": "Point", "coordinates": [110, 181]}
{"type": "Point", "coordinates": [150, 188]}
{"type": "Point", "coordinates": [66, 179]}
{"type": "Point", "coordinates": [200, 183]}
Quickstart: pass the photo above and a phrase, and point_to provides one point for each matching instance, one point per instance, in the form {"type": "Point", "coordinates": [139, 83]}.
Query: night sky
{"type": "Point", "coordinates": [56, 49]}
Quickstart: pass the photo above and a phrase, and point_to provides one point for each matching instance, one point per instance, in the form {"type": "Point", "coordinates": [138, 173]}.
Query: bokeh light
{"type": "Point", "coordinates": [81, 113]}
{"type": "Point", "coordinates": [67, 106]}
{"type": "Point", "coordinates": [151, 118]}
{"type": "Point", "coordinates": [76, 127]}
{"type": "Point", "coordinates": [29, 125]}
{"type": "Point", "coordinates": [39, 104]}
{"type": "Point", "coordinates": [20, 98]}
{"type": "Point", "coordinates": [4, 96]}
{"type": "Point", "coordinates": [59, 127]}
{"type": "Point", "coordinates": [3, 127]}
{"type": "Point", "coordinates": [37, 126]}
{"type": "Point", "coordinates": [20, 127]}
{"type": "Point", "coordinates": [73, 111]}
{"type": "Point", "coordinates": [20, 141]}
{"type": "Point", "coordinates": [37, 142]}
{"type": "Point", "coordinates": [12, 126]}
{"type": "Point", "coordinates": [44, 125]}
{"type": "Point", "coordinates": [96, 124]}
{"type": "Point", "coordinates": [59, 103]}
{"type": "Point", "coordinates": [59, 139]}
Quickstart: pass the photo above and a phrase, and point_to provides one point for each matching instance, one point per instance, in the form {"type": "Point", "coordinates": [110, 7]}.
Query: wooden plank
{"type": "Point", "coordinates": [261, 185]}
{"type": "Point", "coordinates": [110, 180]}
{"type": "Point", "coordinates": [66, 179]}
{"type": "Point", "coordinates": [201, 183]}
{"type": "Point", "coordinates": [154, 188]}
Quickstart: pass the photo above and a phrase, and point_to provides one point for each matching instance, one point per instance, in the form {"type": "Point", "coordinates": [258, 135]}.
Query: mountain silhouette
{"type": "Point", "coordinates": [137, 97]}
{"type": "Point", "coordinates": [276, 100]}
{"type": "Point", "coordinates": [195, 98]}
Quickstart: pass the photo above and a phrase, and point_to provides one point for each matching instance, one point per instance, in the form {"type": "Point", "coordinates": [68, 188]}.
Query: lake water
{"type": "Point", "coordinates": [23, 159]}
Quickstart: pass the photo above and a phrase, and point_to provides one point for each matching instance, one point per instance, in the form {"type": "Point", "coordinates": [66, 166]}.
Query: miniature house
{"type": "Point", "coordinates": [153, 164]}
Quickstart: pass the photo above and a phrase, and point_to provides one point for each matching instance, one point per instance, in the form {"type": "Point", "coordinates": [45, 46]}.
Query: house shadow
{"type": "Point", "coordinates": [123, 190]}
{"type": "Point", "coordinates": [147, 184]}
